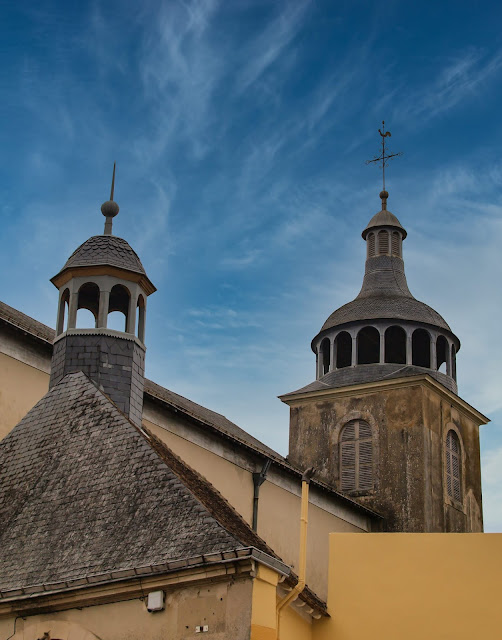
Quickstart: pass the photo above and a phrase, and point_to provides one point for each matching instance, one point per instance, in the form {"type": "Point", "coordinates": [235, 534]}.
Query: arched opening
{"type": "Point", "coordinates": [453, 466]}
{"type": "Point", "coordinates": [343, 350]}
{"type": "Point", "coordinates": [368, 346]}
{"type": "Point", "coordinates": [441, 354]}
{"type": "Point", "coordinates": [395, 345]}
{"type": "Point", "coordinates": [63, 312]}
{"type": "Point", "coordinates": [395, 244]}
{"type": "Point", "coordinates": [325, 355]}
{"type": "Point", "coordinates": [371, 245]}
{"type": "Point", "coordinates": [356, 456]}
{"type": "Point", "coordinates": [383, 242]}
{"type": "Point", "coordinates": [118, 308]}
{"type": "Point", "coordinates": [453, 363]}
{"type": "Point", "coordinates": [140, 329]}
{"type": "Point", "coordinates": [88, 306]}
{"type": "Point", "coordinates": [421, 348]}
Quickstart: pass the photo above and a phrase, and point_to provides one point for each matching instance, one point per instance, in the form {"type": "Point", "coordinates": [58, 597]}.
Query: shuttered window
{"type": "Point", "coordinates": [371, 245]}
{"type": "Point", "coordinates": [383, 242]}
{"type": "Point", "coordinates": [356, 456]}
{"type": "Point", "coordinates": [453, 466]}
{"type": "Point", "coordinates": [395, 243]}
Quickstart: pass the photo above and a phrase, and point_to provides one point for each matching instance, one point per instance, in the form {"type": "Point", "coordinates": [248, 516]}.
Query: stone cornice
{"type": "Point", "coordinates": [427, 381]}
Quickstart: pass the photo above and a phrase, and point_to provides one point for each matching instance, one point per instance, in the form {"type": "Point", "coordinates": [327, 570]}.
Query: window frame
{"type": "Point", "coordinates": [357, 441]}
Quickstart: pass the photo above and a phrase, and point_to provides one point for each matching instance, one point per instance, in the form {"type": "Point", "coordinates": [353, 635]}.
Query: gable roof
{"type": "Point", "coordinates": [83, 492]}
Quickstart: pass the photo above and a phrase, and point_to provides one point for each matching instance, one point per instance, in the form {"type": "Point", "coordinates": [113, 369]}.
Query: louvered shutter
{"type": "Point", "coordinates": [371, 245]}
{"type": "Point", "coordinates": [395, 243]}
{"type": "Point", "coordinates": [356, 456]}
{"type": "Point", "coordinates": [453, 466]}
{"type": "Point", "coordinates": [348, 458]}
{"type": "Point", "coordinates": [383, 242]}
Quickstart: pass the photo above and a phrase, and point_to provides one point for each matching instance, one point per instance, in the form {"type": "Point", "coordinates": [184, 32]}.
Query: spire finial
{"type": "Point", "coordinates": [110, 208]}
{"type": "Point", "coordinates": [384, 157]}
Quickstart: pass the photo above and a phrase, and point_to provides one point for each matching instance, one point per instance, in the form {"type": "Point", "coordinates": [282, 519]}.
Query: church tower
{"type": "Point", "coordinates": [104, 275]}
{"type": "Point", "coordinates": [383, 422]}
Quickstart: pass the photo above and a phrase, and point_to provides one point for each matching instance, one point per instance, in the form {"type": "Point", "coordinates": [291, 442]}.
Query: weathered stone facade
{"type": "Point", "coordinates": [116, 363]}
{"type": "Point", "coordinates": [409, 421]}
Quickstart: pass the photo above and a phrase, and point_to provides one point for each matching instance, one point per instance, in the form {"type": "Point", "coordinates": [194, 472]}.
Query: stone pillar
{"type": "Point", "coordinates": [60, 316]}
{"type": "Point", "coordinates": [409, 349]}
{"type": "Point", "coordinates": [448, 358]}
{"type": "Point", "coordinates": [131, 316]}
{"type": "Point", "coordinates": [434, 361]}
{"type": "Point", "coordinates": [104, 301]}
{"type": "Point", "coordinates": [332, 356]}
{"type": "Point", "coordinates": [72, 311]}
{"type": "Point", "coordinates": [382, 346]}
{"type": "Point", "coordinates": [354, 350]}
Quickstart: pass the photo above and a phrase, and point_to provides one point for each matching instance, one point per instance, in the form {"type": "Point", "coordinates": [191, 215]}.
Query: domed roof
{"type": "Point", "coordinates": [105, 250]}
{"type": "Point", "coordinates": [384, 218]}
{"type": "Point", "coordinates": [394, 307]}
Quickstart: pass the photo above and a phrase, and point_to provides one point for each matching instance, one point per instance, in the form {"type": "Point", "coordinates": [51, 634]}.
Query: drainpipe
{"type": "Point", "coordinates": [300, 585]}
{"type": "Point", "coordinates": [258, 480]}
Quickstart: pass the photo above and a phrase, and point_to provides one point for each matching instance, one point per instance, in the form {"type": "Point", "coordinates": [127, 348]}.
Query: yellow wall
{"type": "Point", "coordinates": [21, 387]}
{"type": "Point", "coordinates": [414, 586]}
{"type": "Point", "coordinates": [224, 607]}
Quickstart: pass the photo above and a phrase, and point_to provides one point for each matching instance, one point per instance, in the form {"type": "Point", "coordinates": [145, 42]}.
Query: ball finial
{"type": "Point", "coordinates": [109, 209]}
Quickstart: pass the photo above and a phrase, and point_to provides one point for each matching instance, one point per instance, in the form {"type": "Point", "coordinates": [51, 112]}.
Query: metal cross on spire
{"type": "Point", "coordinates": [384, 157]}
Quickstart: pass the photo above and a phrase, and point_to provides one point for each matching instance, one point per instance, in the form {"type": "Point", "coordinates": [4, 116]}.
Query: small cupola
{"type": "Point", "coordinates": [384, 234]}
{"type": "Point", "coordinates": [104, 275]}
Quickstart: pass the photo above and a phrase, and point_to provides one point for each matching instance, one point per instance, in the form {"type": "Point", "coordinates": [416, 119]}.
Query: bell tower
{"type": "Point", "coordinates": [104, 275]}
{"type": "Point", "coordinates": [382, 422]}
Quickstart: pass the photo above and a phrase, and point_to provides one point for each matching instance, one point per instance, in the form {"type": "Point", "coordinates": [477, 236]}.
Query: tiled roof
{"type": "Point", "coordinates": [85, 492]}
{"type": "Point", "coordinates": [371, 373]}
{"type": "Point", "coordinates": [105, 250]}
{"type": "Point", "coordinates": [385, 295]}
{"type": "Point", "coordinates": [26, 323]}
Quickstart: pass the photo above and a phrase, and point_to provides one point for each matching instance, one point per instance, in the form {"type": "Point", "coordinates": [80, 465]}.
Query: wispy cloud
{"type": "Point", "coordinates": [460, 78]}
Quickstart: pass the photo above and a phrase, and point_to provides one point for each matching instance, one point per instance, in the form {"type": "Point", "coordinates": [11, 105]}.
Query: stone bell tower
{"type": "Point", "coordinates": [104, 275]}
{"type": "Point", "coordinates": [382, 422]}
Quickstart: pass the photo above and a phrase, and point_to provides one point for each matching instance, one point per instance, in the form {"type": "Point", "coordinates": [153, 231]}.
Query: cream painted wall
{"type": "Point", "coordinates": [224, 607]}
{"type": "Point", "coordinates": [391, 586]}
{"type": "Point", "coordinates": [279, 525]}
{"type": "Point", "coordinates": [21, 387]}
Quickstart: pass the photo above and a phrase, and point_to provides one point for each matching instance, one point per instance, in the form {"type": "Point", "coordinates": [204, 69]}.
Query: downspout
{"type": "Point", "coordinates": [300, 585]}
{"type": "Point", "coordinates": [258, 480]}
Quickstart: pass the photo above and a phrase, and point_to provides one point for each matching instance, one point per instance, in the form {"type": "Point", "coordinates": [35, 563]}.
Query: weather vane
{"type": "Point", "coordinates": [384, 157]}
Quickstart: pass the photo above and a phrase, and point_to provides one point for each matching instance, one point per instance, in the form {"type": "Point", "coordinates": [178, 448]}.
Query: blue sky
{"type": "Point", "coordinates": [240, 131]}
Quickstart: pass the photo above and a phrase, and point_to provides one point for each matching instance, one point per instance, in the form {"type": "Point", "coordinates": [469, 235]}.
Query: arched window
{"type": "Point", "coordinates": [453, 466]}
{"type": "Point", "coordinates": [63, 311]}
{"type": "Point", "coordinates": [441, 354]}
{"type": "Point", "coordinates": [343, 350]}
{"type": "Point", "coordinates": [325, 355]}
{"type": "Point", "coordinates": [356, 456]}
{"type": "Point", "coordinates": [383, 242]}
{"type": "Point", "coordinates": [395, 345]}
{"type": "Point", "coordinates": [421, 348]}
{"type": "Point", "coordinates": [371, 245]}
{"type": "Point", "coordinates": [395, 244]}
{"type": "Point", "coordinates": [368, 346]}
{"type": "Point", "coordinates": [141, 318]}
{"type": "Point", "coordinates": [118, 308]}
{"type": "Point", "coordinates": [88, 298]}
